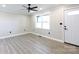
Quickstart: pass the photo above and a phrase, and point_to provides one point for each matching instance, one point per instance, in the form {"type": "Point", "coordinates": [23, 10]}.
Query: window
{"type": "Point", "coordinates": [42, 22]}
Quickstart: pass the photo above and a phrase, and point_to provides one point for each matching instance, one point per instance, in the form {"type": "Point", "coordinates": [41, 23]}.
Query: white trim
{"type": "Point", "coordinates": [49, 37]}
{"type": "Point", "coordinates": [13, 35]}
{"type": "Point", "coordinates": [58, 40]}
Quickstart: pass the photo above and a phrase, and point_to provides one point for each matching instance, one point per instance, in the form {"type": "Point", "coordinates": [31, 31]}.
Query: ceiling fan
{"type": "Point", "coordinates": [29, 8]}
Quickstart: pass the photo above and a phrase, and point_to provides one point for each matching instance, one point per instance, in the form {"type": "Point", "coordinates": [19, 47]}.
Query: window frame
{"type": "Point", "coordinates": [42, 21]}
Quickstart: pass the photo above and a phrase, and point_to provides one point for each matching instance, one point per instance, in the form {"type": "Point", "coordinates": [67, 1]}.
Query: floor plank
{"type": "Point", "coordinates": [33, 44]}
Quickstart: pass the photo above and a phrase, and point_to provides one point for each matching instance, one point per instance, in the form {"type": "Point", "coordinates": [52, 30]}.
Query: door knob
{"type": "Point", "coordinates": [65, 28]}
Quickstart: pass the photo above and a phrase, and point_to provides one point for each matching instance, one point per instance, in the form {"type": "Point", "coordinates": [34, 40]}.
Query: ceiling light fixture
{"type": "Point", "coordinates": [3, 5]}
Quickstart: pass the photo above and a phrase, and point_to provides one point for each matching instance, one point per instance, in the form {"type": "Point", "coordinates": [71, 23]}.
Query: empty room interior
{"type": "Point", "coordinates": [39, 28]}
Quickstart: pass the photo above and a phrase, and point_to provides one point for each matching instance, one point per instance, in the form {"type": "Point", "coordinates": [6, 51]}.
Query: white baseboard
{"type": "Point", "coordinates": [32, 33]}
{"type": "Point", "coordinates": [49, 37]}
{"type": "Point", "coordinates": [13, 35]}
{"type": "Point", "coordinates": [58, 40]}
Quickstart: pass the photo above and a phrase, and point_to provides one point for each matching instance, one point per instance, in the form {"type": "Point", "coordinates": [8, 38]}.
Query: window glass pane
{"type": "Point", "coordinates": [39, 19]}
{"type": "Point", "coordinates": [43, 22]}
{"type": "Point", "coordinates": [46, 22]}
{"type": "Point", "coordinates": [45, 25]}
{"type": "Point", "coordinates": [38, 25]}
{"type": "Point", "coordinates": [46, 19]}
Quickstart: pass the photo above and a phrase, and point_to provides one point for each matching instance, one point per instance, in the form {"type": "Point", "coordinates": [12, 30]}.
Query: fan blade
{"type": "Point", "coordinates": [34, 7]}
{"type": "Point", "coordinates": [34, 10]}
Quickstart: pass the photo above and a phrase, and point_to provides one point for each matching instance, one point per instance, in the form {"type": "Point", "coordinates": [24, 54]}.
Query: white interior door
{"type": "Point", "coordinates": [72, 26]}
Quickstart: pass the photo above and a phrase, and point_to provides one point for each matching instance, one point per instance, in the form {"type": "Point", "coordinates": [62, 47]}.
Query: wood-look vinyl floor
{"type": "Point", "coordinates": [33, 44]}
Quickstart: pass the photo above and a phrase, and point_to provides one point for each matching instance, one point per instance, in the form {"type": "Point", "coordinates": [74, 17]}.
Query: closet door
{"type": "Point", "coordinates": [72, 26]}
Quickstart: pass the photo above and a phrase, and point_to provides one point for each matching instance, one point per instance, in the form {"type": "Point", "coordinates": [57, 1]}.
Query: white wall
{"type": "Point", "coordinates": [56, 30]}
{"type": "Point", "coordinates": [56, 16]}
{"type": "Point", "coordinates": [13, 22]}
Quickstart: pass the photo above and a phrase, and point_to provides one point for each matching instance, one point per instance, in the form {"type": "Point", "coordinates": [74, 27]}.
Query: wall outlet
{"type": "Point", "coordinates": [48, 32]}
{"type": "Point", "coordinates": [10, 32]}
